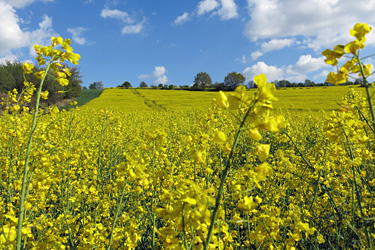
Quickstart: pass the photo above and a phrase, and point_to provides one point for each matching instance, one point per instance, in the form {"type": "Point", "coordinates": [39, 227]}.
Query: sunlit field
{"type": "Point", "coordinates": [312, 99]}
{"type": "Point", "coordinates": [164, 169]}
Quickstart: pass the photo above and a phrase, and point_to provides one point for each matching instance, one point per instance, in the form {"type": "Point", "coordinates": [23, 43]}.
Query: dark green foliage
{"type": "Point", "coordinates": [232, 80]}
{"type": "Point", "coordinates": [11, 77]}
{"type": "Point", "coordinates": [143, 85]}
{"type": "Point", "coordinates": [126, 84]}
{"type": "Point", "coordinates": [202, 81]}
{"type": "Point", "coordinates": [96, 85]}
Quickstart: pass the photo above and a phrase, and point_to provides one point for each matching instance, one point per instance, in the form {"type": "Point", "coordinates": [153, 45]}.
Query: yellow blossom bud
{"type": "Point", "coordinates": [27, 68]}
{"type": "Point", "coordinates": [222, 100]}
{"type": "Point", "coordinates": [263, 151]}
{"type": "Point", "coordinates": [248, 203]}
{"type": "Point", "coordinates": [219, 137]}
{"type": "Point", "coordinates": [255, 134]}
{"type": "Point", "coordinates": [44, 95]}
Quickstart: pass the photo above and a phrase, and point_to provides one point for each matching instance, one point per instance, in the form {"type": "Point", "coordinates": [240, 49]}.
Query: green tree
{"type": "Point", "coordinates": [143, 85]}
{"type": "Point", "coordinates": [126, 84]}
{"type": "Point", "coordinates": [202, 81]}
{"type": "Point", "coordinates": [96, 85]}
{"type": "Point", "coordinates": [11, 76]}
{"type": "Point", "coordinates": [232, 80]}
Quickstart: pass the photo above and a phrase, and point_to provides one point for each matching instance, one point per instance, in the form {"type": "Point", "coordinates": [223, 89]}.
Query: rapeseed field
{"type": "Point", "coordinates": [153, 169]}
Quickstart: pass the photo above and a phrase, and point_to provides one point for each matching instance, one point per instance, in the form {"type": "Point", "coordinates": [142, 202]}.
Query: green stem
{"type": "Point", "coordinates": [367, 86]}
{"type": "Point", "coordinates": [119, 207]}
{"type": "Point", "coordinates": [358, 194]}
{"type": "Point", "coordinates": [27, 159]}
{"type": "Point", "coordinates": [223, 178]}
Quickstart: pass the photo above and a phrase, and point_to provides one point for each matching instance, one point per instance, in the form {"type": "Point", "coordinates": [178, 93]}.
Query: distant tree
{"type": "Point", "coordinates": [143, 85]}
{"type": "Point", "coordinates": [84, 87]}
{"type": "Point", "coordinates": [283, 83]}
{"type": "Point", "coordinates": [232, 80]}
{"type": "Point", "coordinates": [202, 80]}
{"type": "Point", "coordinates": [126, 84]}
{"type": "Point", "coordinates": [96, 85]}
{"type": "Point", "coordinates": [276, 83]}
{"type": "Point", "coordinates": [251, 84]}
{"type": "Point", "coordinates": [309, 83]}
{"type": "Point", "coordinates": [171, 86]}
{"type": "Point", "coordinates": [358, 81]}
{"type": "Point", "coordinates": [219, 86]}
{"type": "Point", "coordinates": [160, 85]}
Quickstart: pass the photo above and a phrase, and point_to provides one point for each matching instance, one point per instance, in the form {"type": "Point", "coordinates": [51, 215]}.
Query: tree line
{"type": "Point", "coordinates": [203, 81]}
{"type": "Point", "coordinates": [11, 77]}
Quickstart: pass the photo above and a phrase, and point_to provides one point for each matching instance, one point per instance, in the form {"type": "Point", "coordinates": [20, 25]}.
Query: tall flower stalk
{"type": "Point", "coordinates": [53, 55]}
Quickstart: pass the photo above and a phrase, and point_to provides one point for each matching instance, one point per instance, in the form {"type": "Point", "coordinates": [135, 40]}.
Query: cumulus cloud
{"type": "Point", "coordinates": [77, 35]}
{"type": "Point", "coordinates": [181, 19]}
{"type": "Point", "coordinates": [22, 3]}
{"type": "Point", "coordinates": [323, 23]}
{"type": "Point", "coordinates": [8, 58]}
{"type": "Point", "coordinates": [123, 16]}
{"type": "Point", "coordinates": [272, 72]}
{"type": "Point", "coordinates": [297, 72]}
{"type": "Point", "coordinates": [12, 37]}
{"type": "Point", "coordinates": [255, 55]}
{"type": "Point", "coordinates": [277, 44]}
{"type": "Point", "coordinates": [274, 44]}
{"type": "Point", "coordinates": [307, 63]}
{"type": "Point", "coordinates": [160, 74]}
{"type": "Point", "coordinates": [228, 10]}
{"type": "Point", "coordinates": [133, 29]}
{"type": "Point", "coordinates": [116, 14]}
{"type": "Point", "coordinates": [206, 6]}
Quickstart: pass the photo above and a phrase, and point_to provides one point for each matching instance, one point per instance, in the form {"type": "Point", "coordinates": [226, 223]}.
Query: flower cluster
{"type": "Point", "coordinates": [57, 53]}
{"type": "Point", "coordinates": [352, 48]}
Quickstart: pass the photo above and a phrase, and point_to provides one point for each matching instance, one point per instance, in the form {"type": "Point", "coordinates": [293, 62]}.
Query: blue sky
{"type": "Point", "coordinates": [170, 41]}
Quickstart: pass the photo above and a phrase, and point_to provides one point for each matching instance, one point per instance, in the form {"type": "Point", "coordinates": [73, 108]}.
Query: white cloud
{"type": "Point", "coordinates": [129, 28]}
{"type": "Point", "coordinates": [272, 72]}
{"type": "Point", "coordinates": [116, 14]}
{"type": "Point", "coordinates": [13, 37]}
{"type": "Point", "coordinates": [133, 29]}
{"type": "Point", "coordinates": [323, 23]}
{"type": "Point", "coordinates": [322, 75]}
{"type": "Point", "coordinates": [181, 19]}
{"type": "Point", "coordinates": [274, 44]}
{"type": "Point", "coordinates": [255, 55]}
{"type": "Point", "coordinates": [144, 76]}
{"type": "Point", "coordinates": [294, 73]}
{"type": "Point", "coordinates": [159, 73]}
{"type": "Point", "coordinates": [9, 58]}
{"type": "Point", "coordinates": [277, 44]}
{"type": "Point", "coordinates": [307, 63]}
{"type": "Point", "coordinates": [206, 6]}
{"type": "Point", "coordinates": [228, 10]}
{"type": "Point", "coordinates": [40, 36]}
{"type": "Point", "coordinates": [77, 35]}
{"type": "Point", "coordinates": [22, 3]}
